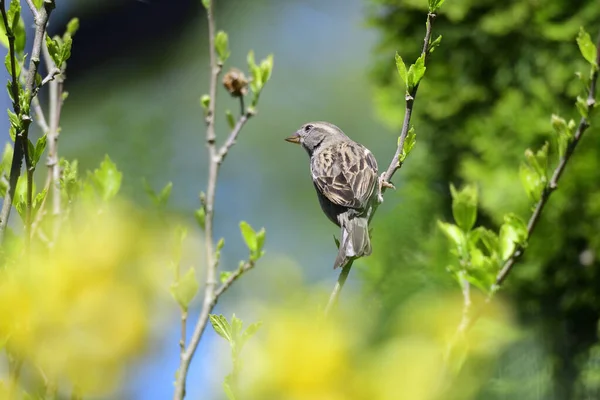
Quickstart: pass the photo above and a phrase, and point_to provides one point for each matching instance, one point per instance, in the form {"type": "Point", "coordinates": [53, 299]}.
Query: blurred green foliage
{"type": "Point", "coordinates": [489, 92]}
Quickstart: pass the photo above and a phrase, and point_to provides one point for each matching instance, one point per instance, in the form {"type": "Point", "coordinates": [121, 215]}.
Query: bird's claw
{"type": "Point", "coordinates": [383, 183]}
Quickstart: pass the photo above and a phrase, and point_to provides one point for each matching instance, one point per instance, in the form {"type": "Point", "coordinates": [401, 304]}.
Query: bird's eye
{"type": "Point", "coordinates": [308, 128]}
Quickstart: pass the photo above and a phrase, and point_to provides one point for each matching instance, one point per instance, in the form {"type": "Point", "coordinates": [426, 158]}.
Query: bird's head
{"type": "Point", "coordinates": [314, 134]}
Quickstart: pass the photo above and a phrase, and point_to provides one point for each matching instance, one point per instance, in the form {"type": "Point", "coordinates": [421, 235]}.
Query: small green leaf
{"type": "Point", "coordinates": [236, 329]}
{"type": "Point", "coordinates": [260, 239]}
{"type": "Point", "coordinates": [222, 46]}
{"type": "Point", "coordinates": [582, 107]}
{"type": "Point", "coordinates": [226, 386]}
{"type": "Point", "coordinates": [220, 245]}
{"type": "Point", "coordinates": [513, 233]}
{"type": "Point", "coordinates": [454, 233]}
{"type": "Point", "coordinates": [38, 200]}
{"type": "Point", "coordinates": [409, 143]}
{"type": "Point", "coordinates": [418, 70]}
{"type": "Point", "coordinates": [224, 276]}
{"type": "Point", "coordinates": [249, 237]}
{"type": "Point", "coordinates": [54, 50]}
{"type": "Point", "coordinates": [30, 150]}
{"type": "Point", "coordinates": [587, 48]}
{"type": "Point", "coordinates": [435, 44]}
{"type": "Point", "coordinates": [250, 331]}
{"type": "Point", "coordinates": [7, 156]}
{"type": "Point", "coordinates": [164, 195]}
{"type": "Point", "coordinates": [206, 4]}
{"type": "Point", "coordinates": [40, 146]}
{"type": "Point", "coordinates": [531, 182]}
{"type": "Point", "coordinates": [72, 26]}
{"type": "Point", "coordinates": [230, 119]}
{"type": "Point", "coordinates": [185, 289]}
{"type": "Point", "coordinates": [14, 120]}
{"type": "Point", "coordinates": [200, 215]}
{"type": "Point", "coordinates": [256, 84]}
{"type": "Point", "coordinates": [221, 326]}
{"type": "Point", "coordinates": [107, 179]}
{"type": "Point", "coordinates": [205, 101]}
{"type": "Point", "coordinates": [266, 68]}
{"type": "Point", "coordinates": [401, 67]}
{"type": "Point", "coordinates": [464, 206]}
{"type": "Point", "coordinates": [434, 5]}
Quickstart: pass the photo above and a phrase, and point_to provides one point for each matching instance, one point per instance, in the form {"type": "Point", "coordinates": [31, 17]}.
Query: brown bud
{"type": "Point", "coordinates": [235, 82]}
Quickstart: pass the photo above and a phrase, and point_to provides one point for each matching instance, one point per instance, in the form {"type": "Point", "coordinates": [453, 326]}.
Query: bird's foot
{"type": "Point", "coordinates": [383, 183]}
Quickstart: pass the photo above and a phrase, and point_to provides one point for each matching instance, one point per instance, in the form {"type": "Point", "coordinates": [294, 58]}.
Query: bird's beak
{"type": "Point", "coordinates": [295, 138]}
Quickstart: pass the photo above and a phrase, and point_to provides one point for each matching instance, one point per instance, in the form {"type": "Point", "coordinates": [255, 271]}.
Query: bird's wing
{"type": "Point", "coordinates": [345, 173]}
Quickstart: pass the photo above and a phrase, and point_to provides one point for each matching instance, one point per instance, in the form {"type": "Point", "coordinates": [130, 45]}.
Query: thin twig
{"type": "Point", "coordinates": [394, 166]}
{"type": "Point", "coordinates": [553, 185]}
{"type": "Point", "coordinates": [548, 190]}
{"type": "Point", "coordinates": [216, 157]}
{"type": "Point", "coordinates": [21, 140]}
{"type": "Point", "coordinates": [55, 101]}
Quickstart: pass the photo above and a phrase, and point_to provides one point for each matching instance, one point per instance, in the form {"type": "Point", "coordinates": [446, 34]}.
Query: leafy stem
{"type": "Point", "coordinates": [411, 80]}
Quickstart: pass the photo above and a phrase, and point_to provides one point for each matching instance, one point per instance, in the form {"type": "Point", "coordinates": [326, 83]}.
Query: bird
{"type": "Point", "coordinates": [344, 174]}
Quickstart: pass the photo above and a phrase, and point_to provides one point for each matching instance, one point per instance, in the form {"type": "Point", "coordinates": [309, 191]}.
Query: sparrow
{"type": "Point", "coordinates": [344, 174]}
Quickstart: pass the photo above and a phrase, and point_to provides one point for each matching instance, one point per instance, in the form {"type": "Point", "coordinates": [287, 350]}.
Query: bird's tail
{"type": "Point", "coordinates": [355, 241]}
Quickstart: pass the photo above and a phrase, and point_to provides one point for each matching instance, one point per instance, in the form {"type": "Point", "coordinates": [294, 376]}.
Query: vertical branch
{"type": "Point", "coordinates": [55, 104]}
{"type": "Point", "coordinates": [21, 140]}
{"type": "Point", "coordinates": [394, 166]}
{"type": "Point", "coordinates": [213, 169]}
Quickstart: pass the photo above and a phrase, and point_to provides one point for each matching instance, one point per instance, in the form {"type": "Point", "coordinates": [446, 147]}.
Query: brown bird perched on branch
{"type": "Point", "coordinates": [345, 176]}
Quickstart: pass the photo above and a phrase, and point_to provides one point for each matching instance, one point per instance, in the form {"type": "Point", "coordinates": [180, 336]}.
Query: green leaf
{"type": "Point", "coordinates": [72, 27]}
{"type": "Point", "coordinates": [54, 50]}
{"type": "Point", "coordinates": [401, 67]}
{"type": "Point", "coordinates": [222, 46]}
{"type": "Point", "coordinates": [221, 326]}
{"type": "Point", "coordinates": [236, 329]}
{"type": "Point", "coordinates": [266, 67]}
{"type": "Point", "coordinates": [230, 119]}
{"type": "Point", "coordinates": [205, 101]}
{"type": "Point", "coordinates": [224, 276]}
{"type": "Point", "coordinates": [185, 289]}
{"type": "Point", "coordinates": [250, 331]}
{"type": "Point", "coordinates": [107, 179]}
{"type": "Point", "coordinates": [260, 239]}
{"type": "Point", "coordinates": [464, 206]}
{"type": "Point", "coordinates": [40, 146]}
{"type": "Point", "coordinates": [38, 3]}
{"type": "Point", "coordinates": [165, 194]}
{"type": "Point", "coordinates": [409, 143]}
{"type": "Point", "coordinates": [38, 200]}
{"type": "Point", "coordinates": [206, 4]}
{"type": "Point", "coordinates": [249, 237]}
{"type": "Point", "coordinates": [200, 215]}
{"type": "Point", "coordinates": [227, 387]}
{"type": "Point", "coordinates": [256, 84]}
{"type": "Point", "coordinates": [220, 245]}
{"type": "Point", "coordinates": [435, 44]}
{"type": "Point", "coordinates": [582, 107]}
{"type": "Point", "coordinates": [14, 119]}
{"type": "Point", "coordinates": [513, 233]}
{"type": "Point", "coordinates": [418, 70]}
{"type": "Point", "coordinates": [434, 5]}
{"type": "Point", "coordinates": [454, 233]}
{"type": "Point", "coordinates": [564, 133]}
{"type": "Point", "coordinates": [531, 182]}
{"type": "Point", "coordinates": [7, 156]}
{"type": "Point", "coordinates": [587, 48]}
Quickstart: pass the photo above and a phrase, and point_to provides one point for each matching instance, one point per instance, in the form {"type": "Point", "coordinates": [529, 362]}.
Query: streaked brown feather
{"type": "Point", "coordinates": [345, 173]}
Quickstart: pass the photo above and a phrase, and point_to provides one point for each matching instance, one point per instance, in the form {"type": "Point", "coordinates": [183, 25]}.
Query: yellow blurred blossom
{"type": "Point", "coordinates": [79, 311]}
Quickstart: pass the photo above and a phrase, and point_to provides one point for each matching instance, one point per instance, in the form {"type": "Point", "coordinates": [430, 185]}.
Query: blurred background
{"type": "Point", "coordinates": [135, 78]}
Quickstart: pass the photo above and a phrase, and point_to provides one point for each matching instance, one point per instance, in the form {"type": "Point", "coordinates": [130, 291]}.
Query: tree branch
{"type": "Point", "coordinates": [553, 184]}
{"type": "Point", "coordinates": [394, 166]}
{"type": "Point", "coordinates": [21, 140]}
{"type": "Point", "coordinates": [216, 157]}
